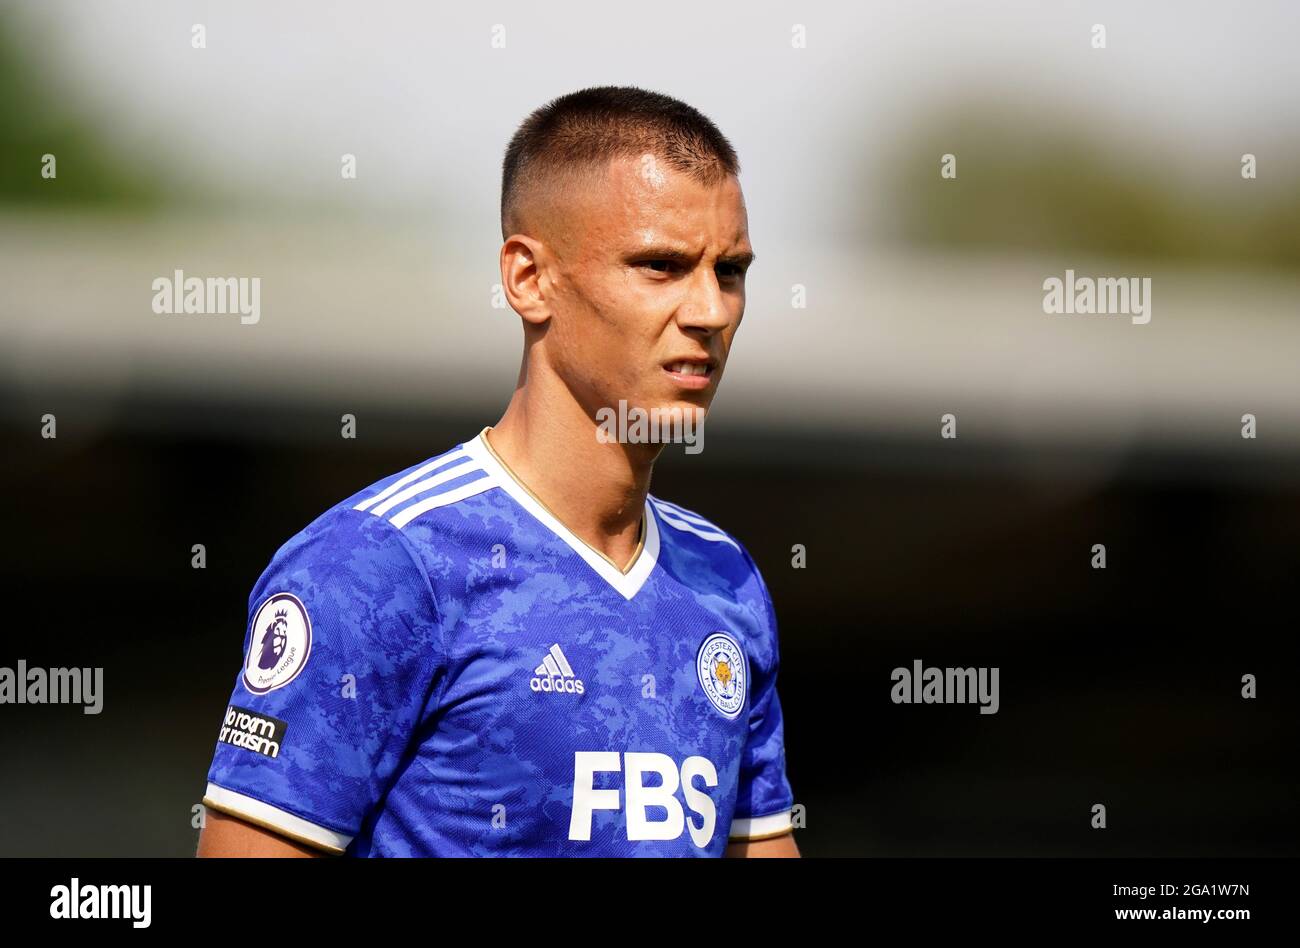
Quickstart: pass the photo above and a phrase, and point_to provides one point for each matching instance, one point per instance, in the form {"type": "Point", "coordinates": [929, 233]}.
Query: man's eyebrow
{"type": "Point", "coordinates": [659, 252]}
{"type": "Point", "coordinates": [742, 259]}
{"type": "Point", "coordinates": [678, 255]}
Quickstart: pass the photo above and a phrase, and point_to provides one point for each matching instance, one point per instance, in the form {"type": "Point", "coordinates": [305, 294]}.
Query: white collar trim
{"type": "Point", "coordinates": [627, 584]}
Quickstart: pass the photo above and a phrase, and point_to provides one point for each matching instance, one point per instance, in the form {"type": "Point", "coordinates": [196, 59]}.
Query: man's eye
{"type": "Point", "coordinates": [659, 266]}
{"type": "Point", "coordinates": [730, 270]}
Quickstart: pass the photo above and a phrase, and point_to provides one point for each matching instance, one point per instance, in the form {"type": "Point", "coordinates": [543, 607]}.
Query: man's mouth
{"type": "Point", "coordinates": [691, 373]}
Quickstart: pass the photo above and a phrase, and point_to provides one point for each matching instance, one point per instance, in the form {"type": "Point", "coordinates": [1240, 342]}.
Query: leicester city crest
{"type": "Point", "coordinates": [723, 674]}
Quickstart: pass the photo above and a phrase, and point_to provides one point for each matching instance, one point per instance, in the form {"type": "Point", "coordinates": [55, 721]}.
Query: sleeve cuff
{"type": "Point", "coordinates": [761, 827]}
{"type": "Point", "coordinates": [273, 818]}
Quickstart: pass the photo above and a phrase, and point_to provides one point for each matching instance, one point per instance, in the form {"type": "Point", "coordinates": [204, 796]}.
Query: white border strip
{"type": "Point", "coordinates": [272, 817]}
{"type": "Point", "coordinates": [760, 826]}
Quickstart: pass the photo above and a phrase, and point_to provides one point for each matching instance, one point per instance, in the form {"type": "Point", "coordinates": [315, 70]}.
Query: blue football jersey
{"type": "Point", "coordinates": [437, 666]}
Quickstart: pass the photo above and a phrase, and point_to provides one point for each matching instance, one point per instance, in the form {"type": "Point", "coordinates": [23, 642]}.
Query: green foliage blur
{"type": "Point", "coordinates": [1030, 179]}
{"type": "Point", "coordinates": [36, 118]}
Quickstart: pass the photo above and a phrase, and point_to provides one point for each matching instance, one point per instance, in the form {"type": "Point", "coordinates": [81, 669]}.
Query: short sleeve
{"type": "Point", "coordinates": [764, 800]}
{"type": "Point", "coordinates": [341, 655]}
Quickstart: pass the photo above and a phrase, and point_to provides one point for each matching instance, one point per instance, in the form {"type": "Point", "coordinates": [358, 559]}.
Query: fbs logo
{"type": "Point", "coordinates": [643, 801]}
{"type": "Point", "coordinates": [555, 674]}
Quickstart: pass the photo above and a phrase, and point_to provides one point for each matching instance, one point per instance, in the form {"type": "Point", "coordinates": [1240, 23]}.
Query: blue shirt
{"type": "Point", "coordinates": [437, 666]}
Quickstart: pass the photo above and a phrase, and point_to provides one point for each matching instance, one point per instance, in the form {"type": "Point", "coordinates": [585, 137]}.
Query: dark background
{"type": "Point", "coordinates": [1118, 686]}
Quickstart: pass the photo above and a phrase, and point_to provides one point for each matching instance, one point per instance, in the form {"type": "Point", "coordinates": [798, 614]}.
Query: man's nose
{"type": "Point", "coordinates": [704, 307]}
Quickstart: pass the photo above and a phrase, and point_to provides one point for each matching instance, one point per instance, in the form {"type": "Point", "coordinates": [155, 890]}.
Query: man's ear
{"type": "Point", "coordinates": [521, 278]}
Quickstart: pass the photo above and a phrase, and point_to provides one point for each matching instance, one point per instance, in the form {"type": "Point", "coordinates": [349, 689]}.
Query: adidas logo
{"type": "Point", "coordinates": [555, 674]}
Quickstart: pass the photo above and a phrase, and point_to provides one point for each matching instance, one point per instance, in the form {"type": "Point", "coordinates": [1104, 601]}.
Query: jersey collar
{"type": "Point", "coordinates": [628, 583]}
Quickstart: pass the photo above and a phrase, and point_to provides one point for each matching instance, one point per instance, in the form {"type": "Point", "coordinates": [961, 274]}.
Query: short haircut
{"type": "Point", "coordinates": [584, 130]}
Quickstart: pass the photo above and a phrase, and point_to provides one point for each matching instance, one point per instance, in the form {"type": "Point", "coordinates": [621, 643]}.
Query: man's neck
{"type": "Point", "coordinates": [595, 489]}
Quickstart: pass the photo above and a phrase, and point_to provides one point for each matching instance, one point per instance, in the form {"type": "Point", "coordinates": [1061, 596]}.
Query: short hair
{"type": "Point", "coordinates": [584, 130]}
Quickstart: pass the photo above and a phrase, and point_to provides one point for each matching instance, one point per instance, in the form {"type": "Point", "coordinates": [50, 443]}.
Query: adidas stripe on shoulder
{"type": "Point", "coordinates": [425, 488]}
{"type": "Point", "coordinates": [688, 522]}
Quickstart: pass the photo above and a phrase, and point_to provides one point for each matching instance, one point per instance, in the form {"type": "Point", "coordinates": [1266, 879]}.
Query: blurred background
{"type": "Point", "coordinates": [923, 296]}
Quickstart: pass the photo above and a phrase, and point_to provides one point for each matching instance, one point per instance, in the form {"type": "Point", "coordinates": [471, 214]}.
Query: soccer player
{"type": "Point", "coordinates": [513, 648]}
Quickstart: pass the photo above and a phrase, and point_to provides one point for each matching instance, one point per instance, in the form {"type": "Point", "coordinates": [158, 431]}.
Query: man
{"type": "Point", "coordinates": [513, 648]}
